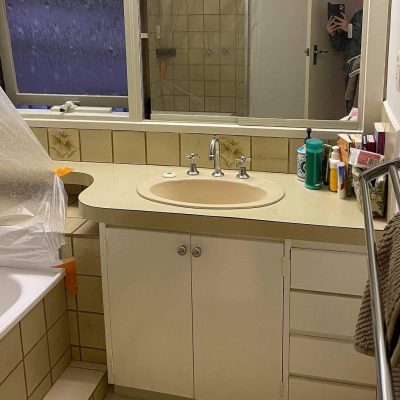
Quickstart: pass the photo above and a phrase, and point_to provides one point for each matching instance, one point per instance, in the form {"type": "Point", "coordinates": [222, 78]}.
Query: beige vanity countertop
{"type": "Point", "coordinates": [301, 215]}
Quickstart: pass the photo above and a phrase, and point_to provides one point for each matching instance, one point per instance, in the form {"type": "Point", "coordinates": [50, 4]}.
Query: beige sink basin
{"type": "Point", "coordinates": [205, 191]}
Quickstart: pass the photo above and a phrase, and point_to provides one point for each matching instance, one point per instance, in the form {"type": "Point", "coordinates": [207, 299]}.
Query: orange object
{"type": "Point", "coordinates": [61, 171]}
{"type": "Point", "coordinates": [69, 265]}
{"type": "Point", "coordinates": [163, 68]}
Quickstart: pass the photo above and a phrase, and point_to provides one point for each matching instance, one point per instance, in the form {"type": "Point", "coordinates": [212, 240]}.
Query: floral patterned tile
{"type": "Point", "coordinates": [232, 148]}
{"type": "Point", "coordinates": [64, 144]}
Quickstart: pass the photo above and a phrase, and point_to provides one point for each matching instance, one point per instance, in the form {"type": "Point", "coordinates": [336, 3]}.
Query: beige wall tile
{"type": "Point", "coordinates": [89, 228]}
{"type": "Point", "coordinates": [87, 254]}
{"type": "Point", "coordinates": [270, 154]}
{"type": "Point", "coordinates": [64, 144]}
{"type": "Point", "coordinates": [73, 327]}
{"type": "Point", "coordinates": [91, 330]}
{"type": "Point", "coordinates": [96, 145]}
{"type": "Point", "coordinates": [42, 389]}
{"type": "Point", "coordinates": [271, 165]}
{"type": "Point", "coordinates": [264, 147]}
{"type": "Point", "coordinates": [66, 249]}
{"type": "Point", "coordinates": [94, 355]}
{"type": "Point", "coordinates": [129, 147]}
{"type": "Point", "coordinates": [33, 327]}
{"type": "Point", "coordinates": [73, 224]}
{"type": "Point", "coordinates": [294, 144]}
{"type": "Point", "coordinates": [41, 135]}
{"type": "Point", "coordinates": [196, 143]}
{"type": "Point", "coordinates": [102, 389]}
{"type": "Point", "coordinates": [90, 294]}
{"type": "Point", "coordinates": [71, 300]}
{"type": "Point", "coordinates": [85, 382]}
{"type": "Point", "coordinates": [233, 147]}
{"type": "Point", "coordinates": [13, 388]}
{"type": "Point", "coordinates": [10, 351]}
{"type": "Point", "coordinates": [60, 366]}
{"type": "Point", "coordinates": [37, 365]}
{"type": "Point", "coordinates": [58, 339]}
{"type": "Point", "coordinates": [75, 353]}
{"type": "Point", "coordinates": [162, 148]}
{"type": "Point", "coordinates": [55, 304]}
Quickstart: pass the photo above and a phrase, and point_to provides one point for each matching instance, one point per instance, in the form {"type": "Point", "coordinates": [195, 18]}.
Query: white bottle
{"type": "Point", "coordinates": [333, 164]}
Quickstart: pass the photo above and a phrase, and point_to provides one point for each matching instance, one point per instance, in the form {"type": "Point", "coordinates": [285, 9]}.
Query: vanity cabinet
{"type": "Point", "coordinates": [325, 299]}
{"type": "Point", "coordinates": [193, 316]}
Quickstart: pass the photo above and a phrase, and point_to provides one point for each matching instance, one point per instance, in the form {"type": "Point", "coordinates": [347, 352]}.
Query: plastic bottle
{"type": "Point", "coordinates": [333, 164]}
{"type": "Point", "coordinates": [313, 164]}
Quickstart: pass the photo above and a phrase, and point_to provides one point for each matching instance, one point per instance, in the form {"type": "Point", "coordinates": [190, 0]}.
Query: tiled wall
{"type": "Point", "coordinates": [268, 154]}
{"type": "Point", "coordinates": [36, 351]}
{"type": "Point", "coordinates": [208, 72]}
{"type": "Point", "coordinates": [85, 311]}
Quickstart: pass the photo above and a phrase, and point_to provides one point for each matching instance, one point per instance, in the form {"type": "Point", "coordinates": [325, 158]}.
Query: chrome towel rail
{"type": "Point", "coordinates": [385, 389]}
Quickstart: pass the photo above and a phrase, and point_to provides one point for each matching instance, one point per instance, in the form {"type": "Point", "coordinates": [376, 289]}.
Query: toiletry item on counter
{"type": "Point", "coordinates": [371, 144]}
{"type": "Point", "coordinates": [341, 176]}
{"type": "Point", "coordinates": [301, 158]}
{"type": "Point", "coordinates": [364, 159]}
{"type": "Point", "coordinates": [301, 163]}
{"type": "Point", "coordinates": [356, 138]}
{"type": "Point", "coordinates": [345, 144]}
{"type": "Point", "coordinates": [333, 165]}
{"type": "Point", "coordinates": [313, 179]}
{"type": "Point", "coordinates": [379, 138]}
{"type": "Point", "coordinates": [326, 154]}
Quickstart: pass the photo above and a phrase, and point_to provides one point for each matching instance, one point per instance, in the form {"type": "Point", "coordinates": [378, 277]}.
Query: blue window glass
{"type": "Point", "coordinates": [68, 46]}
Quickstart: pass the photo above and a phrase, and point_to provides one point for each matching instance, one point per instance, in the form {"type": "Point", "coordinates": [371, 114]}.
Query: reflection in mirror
{"type": "Point", "coordinates": [289, 59]}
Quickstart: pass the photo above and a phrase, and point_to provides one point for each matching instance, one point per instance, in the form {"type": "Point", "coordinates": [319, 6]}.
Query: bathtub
{"type": "Point", "coordinates": [21, 290]}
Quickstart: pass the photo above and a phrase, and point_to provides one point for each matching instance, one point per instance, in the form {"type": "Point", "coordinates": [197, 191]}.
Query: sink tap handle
{"type": "Point", "coordinates": [192, 157]}
{"type": "Point", "coordinates": [242, 161]}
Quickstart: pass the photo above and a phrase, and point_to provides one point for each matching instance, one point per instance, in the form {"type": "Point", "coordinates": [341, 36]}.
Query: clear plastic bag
{"type": "Point", "coordinates": [32, 197]}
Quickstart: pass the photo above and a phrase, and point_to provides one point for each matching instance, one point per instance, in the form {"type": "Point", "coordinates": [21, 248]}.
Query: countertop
{"type": "Point", "coordinates": [302, 214]}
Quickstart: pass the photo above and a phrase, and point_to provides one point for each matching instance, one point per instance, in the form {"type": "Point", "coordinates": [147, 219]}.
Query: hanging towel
{"type": "Point", "coordinates": [388, 264]}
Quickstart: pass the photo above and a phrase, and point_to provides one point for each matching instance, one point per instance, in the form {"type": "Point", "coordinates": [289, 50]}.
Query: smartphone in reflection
{"type": "Point", "coordinates": [336, 10]}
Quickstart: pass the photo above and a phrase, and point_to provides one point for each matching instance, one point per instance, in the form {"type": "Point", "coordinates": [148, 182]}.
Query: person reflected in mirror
{"type": "Point", "coordinates": [346, 35]}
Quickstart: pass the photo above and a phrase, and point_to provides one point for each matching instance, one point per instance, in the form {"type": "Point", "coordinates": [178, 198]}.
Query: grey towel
{"type": "Point", "coordinates": [389, 279]}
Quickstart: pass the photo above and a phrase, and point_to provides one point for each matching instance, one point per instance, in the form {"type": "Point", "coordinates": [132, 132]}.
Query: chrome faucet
{"type": "Point", "coordinates": [214, 154]}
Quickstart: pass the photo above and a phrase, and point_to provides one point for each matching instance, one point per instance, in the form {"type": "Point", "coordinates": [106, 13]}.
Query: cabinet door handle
{"type": "Point", "coordinates": [196, 252]}
{"type": "Point", "coordinates": [182, 250]}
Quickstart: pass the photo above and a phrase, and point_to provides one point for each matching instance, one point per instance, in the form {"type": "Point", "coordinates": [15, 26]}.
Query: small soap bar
{"type": "Point", "coordinates": [169, 175]}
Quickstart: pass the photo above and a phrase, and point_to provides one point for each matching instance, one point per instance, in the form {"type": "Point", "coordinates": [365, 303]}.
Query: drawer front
{"type": "Point", "coordinates": [323, 315]}
{"type": "Point", "coordinates": [307, 389]}
{"type": "Point", "coordinates": [330, 359]}
{"type": "Point", "coordinates": [329, 271]}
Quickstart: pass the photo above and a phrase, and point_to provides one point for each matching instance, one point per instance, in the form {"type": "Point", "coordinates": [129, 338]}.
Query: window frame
{"type": "Point", "coordinates": [17, 97]}
{"type": "Point", "coordinates": [371, 90]}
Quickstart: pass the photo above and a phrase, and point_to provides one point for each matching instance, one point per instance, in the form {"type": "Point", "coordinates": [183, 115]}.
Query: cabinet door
{"type": "Point", "coordinates": [237, 319]}
{"type": "Point", "coordinates": [150, 310]}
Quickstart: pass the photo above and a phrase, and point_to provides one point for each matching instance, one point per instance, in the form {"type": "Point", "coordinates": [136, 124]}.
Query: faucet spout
{"type": "Point", "coordinates": [214, 155]}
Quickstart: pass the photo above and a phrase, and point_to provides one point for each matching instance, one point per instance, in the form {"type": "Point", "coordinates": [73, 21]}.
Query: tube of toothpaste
{"type": "Point", "coordinates": [341, 174]}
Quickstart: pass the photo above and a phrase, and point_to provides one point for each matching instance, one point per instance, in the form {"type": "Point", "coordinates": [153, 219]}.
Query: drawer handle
{"type": "Point", "coordinates": [196, 252]}
{"type": "Point", "coordinates": [182, 250]}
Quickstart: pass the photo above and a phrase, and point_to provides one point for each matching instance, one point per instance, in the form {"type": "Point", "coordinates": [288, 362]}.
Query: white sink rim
{"type": "Point", "coordinates": [269, 192]}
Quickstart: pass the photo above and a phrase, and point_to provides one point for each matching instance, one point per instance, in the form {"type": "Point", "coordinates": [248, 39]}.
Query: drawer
{"type": "Point", "coordinates": [323, 315]}
{"type": "Point", "coordinates": [330, 359]}
{"type": "Point", "coordinates": [306, 389]}
{"type": "Point", "coordinates": [329, 271]}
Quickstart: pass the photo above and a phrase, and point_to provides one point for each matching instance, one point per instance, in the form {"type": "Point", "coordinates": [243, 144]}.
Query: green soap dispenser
{"type": "Point", "coordinates": [313, 179]}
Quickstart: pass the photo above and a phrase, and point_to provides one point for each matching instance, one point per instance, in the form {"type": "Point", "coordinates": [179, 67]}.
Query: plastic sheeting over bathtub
{"type": "Point", "coordinates": [32, 197]}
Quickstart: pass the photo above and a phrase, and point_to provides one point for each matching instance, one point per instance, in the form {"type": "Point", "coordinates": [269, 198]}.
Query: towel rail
{"type": "Point", "coordinates": [382, 359]}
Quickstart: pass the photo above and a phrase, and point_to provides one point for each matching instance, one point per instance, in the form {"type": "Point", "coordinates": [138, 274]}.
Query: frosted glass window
{"type": "Point", "coordinates": [68, 46]}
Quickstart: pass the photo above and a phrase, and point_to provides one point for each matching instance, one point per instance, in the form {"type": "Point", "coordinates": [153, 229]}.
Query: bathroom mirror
{"type": "Point", "coordinates": [286, 59]}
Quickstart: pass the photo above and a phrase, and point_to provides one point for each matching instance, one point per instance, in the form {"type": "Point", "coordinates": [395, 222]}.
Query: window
{"type": "Point", "coordinates": [59, 50]}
